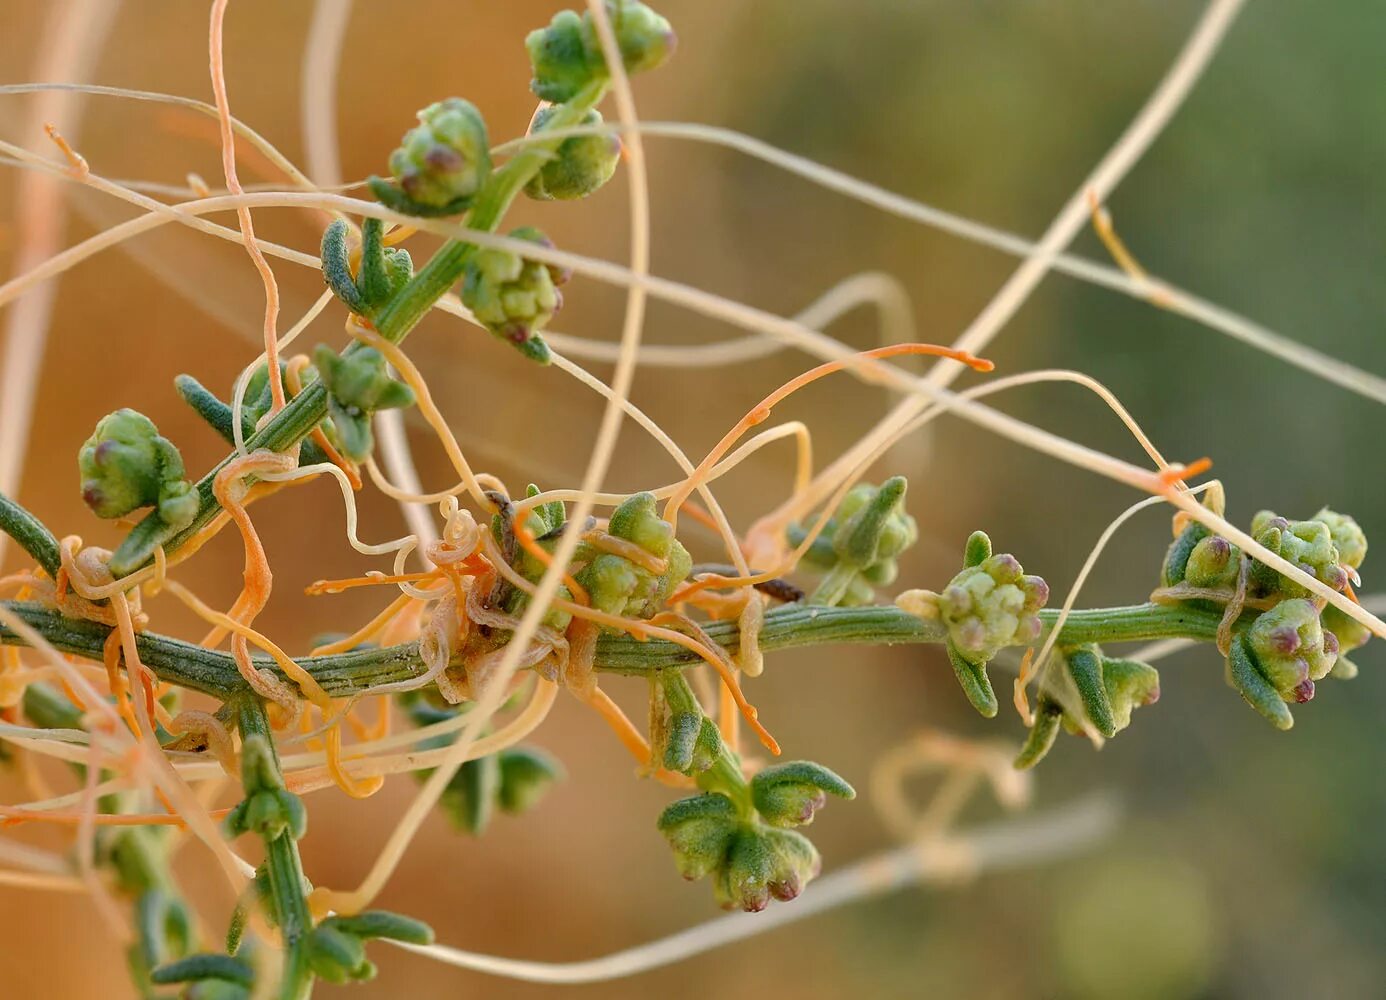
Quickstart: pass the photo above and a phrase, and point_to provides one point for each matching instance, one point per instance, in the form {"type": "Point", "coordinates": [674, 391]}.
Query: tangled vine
{"type": "Point", "coordinates": [524, 595]}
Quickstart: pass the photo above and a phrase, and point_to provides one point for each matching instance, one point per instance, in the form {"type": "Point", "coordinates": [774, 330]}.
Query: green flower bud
{"type": "Point", "coordinates": [645, 38]}
{"type": "Point", "coordinates": [1348, 537]}
{"type": "Point", "coordinates": [985, 608]}
{"type": "Point", "coordinates": [357, 386]}
{"type": "Point", "coordinates": [526, 775]}
{"type": "Point", "coordinates": [580, 165]}
{"type": "Point", "coordinates": [617, 585]}
{"type": "Point", "coordinates": [126, 465]}
{"type": "Point", "coordinates": [441, 164]}
{"type": "Point", "coordinates": [765, 864]}
{"type": "Point", "coordinates": [1291, 648]}
{"type": "Point", "coordinates": [1278, 659]}
{"type": "Point", "coordinates": [1213, 562]}
{"type": "Point", "coordinates": [1350, 633]}
{"type": "Point", "coordinates": [860, 543]}
{"type": "Point", "coordinates": [514, 297]}
{"type": "Point", "coordinates": [1307, 544]}
{"type": "Point", "coordinates": [873, 524]}
{"type": "Point", "coordinates": [559, 58]}
{"type": "Point", "coordinates": [1177, 558]}
{"type": "Point", "coordinates": [383, 270]}
{"type": "Point", "coordinates": [789, 794]}
{"type": "Point", "coordinates": [700, 830]}
{"type": "Point", "coordinates": [609, 581]}
{"type": "Point", "coordinates": [680, 565]}
{"type": "Point", "coordinates": [268, 809]}
{"type": "Point", "coordinates": [567, 55]}
{"type": "Point", "coordinates": [1173, 570]}
{"type": "Point", "coordinates": [636, 520]}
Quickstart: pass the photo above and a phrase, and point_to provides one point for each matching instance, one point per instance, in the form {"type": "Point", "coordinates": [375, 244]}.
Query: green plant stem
{"type": "Point", "coordinates": [31, 535]}
{"type": "Point", "coordinates": [285, 871]}
{"type": "Point", "coordinates": [788, 627]}
{"type": "Point", "coordinates": [399, 316]}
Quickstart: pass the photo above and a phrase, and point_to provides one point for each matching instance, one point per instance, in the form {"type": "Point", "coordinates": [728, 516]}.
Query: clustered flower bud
{"type": "Point", "coordinates": [1108, 691]}
{"type": "Point", "coordinates": [1214, 562]}
{"type": "Point", "coordinates": [1347, 535]}
{"type": "Point", "coordinates": [1293, 642]}
{"type": "Point", "coordinates": [860, 544]}
{"type": "Point", "coordinates": [512, 296]}
{"type": "Point", "coordinates": [619, 586]}
{"type": "Point", "coordinates": [990, 605]}
{"type": "Point", "coordinates": [268, 809]}
{"type": "Point", "coordinates": [126, 465]}
{"type": "Point", "coordinates": [579, 166]}
{"type": "Point", "coordinates": [357, 386]}
{"type": "Point", "coordinates": [441, 164]}
{"type": "Point", "coordinates": [1306, 544]}
{"type": "Point", "coordinates": [1279, 656]}
{"type": "Point", "coordinates": [1350, 634]}
{"type": "Point", "coordinates": [750, 863]}
{"type": "Point", "coordinates": [567, 54]}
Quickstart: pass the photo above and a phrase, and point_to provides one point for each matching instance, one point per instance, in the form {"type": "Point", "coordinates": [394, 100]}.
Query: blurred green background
{"type": "Point", "coordinates": [1248, 863]}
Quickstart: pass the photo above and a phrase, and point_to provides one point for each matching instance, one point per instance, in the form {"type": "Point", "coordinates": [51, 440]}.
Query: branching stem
{"type": "Point", "coordinates": [306, 410]}
{"type": "Point", "coordinates": [343, 675]}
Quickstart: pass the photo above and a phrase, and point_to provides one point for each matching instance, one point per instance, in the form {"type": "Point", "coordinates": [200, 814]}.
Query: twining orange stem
{"type": "Point", "coordinates": [698, 513]}
{"type": "Point", "coordinates": [625, 730]}
{"type": "Point", "coordinates": [1178, 474]}
{"type": "Point", "coordinates": [320, 587]}
{"type": "Point", "coordinates": [527, 542]}
{"type": "Point", "coordinates": [233, 184]}
{"type": "Point", "coordinates": [761, 411]}
{"type": "Point", "coordinates": [712, 654]}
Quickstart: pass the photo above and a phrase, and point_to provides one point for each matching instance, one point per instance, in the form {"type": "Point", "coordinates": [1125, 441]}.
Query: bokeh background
{"type": "Point", "coordinates": [1248, 863]}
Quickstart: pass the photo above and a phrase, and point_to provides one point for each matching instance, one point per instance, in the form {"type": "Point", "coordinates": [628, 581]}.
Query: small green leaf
{"type": "Point", "coordinates": [974, 681]}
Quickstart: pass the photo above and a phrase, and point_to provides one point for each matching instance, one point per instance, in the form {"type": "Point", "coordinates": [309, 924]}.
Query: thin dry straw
{"type": "Point", "coordinates": [751, 318]}
{"type": "Point", "coordinates": [1195, 56]}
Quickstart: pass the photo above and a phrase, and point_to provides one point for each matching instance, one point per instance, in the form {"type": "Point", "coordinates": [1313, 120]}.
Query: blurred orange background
{"type": "Point", "coordinates": [1247, 863]}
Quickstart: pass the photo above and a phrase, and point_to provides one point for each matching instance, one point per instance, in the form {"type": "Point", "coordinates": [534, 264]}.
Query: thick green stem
{"type": "Point", "coordinates": [31, 535]}
{"type": "Point", "coordinates": [788, 627]}
{"type": "Point", "coordinates": [285, 871]}
{"type": "Point", "coordinates": [399, 316]}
